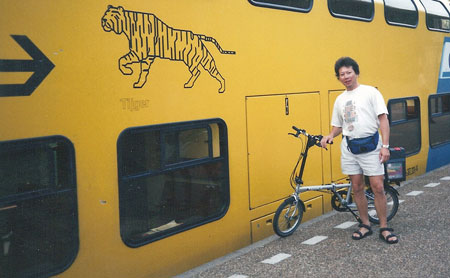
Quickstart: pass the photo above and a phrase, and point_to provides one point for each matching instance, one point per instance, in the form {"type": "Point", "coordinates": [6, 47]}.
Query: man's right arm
{"type": "Point", "coordinates": [335, 131]}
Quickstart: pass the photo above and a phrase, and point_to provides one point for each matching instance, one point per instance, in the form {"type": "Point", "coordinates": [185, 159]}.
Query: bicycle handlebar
{"type": "Point", "coordinates": [314, 138]}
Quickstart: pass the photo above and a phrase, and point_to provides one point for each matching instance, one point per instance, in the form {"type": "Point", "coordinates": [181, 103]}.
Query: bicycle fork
{"type": "Point", "coordinates": [296, 196]}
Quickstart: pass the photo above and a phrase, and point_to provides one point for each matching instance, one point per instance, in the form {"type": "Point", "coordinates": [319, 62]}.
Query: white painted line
{"type": "Point", "coordinates": [372, 212]}
{"type": "Point", "coordinates": [447, 178]}
{"type": "Point", "coordinates": [414, 193]}
{"type": "Point", "coordinates": [400, 201]}
{"type": "Point", "coordinates": [276, 259]}
{"type": "Point", "coordinates": [314, 240]}
{"type": "Point", "coordinates": [346, 225]}
{"type": "Point", "coordinates": [433, 184]}
{"type": "Point", "coordinates": [238, 276]}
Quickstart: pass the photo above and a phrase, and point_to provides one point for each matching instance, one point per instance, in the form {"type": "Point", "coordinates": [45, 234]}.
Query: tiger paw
{"type": "Point", "coordinates": [125, 70]}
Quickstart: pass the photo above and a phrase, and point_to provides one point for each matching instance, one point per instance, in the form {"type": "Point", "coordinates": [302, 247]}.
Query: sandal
{"type": "Point", "coordinates": [361, 235]}
{"type": "Point", "coordinates": [391, 235]}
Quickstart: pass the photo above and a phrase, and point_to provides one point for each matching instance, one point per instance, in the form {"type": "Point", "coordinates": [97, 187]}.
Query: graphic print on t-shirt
{"type": "Point", "coordinates": [350, 114]}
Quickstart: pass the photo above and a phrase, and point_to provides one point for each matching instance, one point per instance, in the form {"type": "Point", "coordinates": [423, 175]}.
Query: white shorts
{"type": "Point", "coordinates": [365, 163]}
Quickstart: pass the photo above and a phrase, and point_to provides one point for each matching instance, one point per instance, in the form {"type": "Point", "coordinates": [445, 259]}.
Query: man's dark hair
{"type": "Point", "coordinates": [346, 62]}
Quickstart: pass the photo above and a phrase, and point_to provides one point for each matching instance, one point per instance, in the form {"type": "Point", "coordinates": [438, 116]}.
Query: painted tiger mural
{"type": "Point", "coordinates": [150, 38]}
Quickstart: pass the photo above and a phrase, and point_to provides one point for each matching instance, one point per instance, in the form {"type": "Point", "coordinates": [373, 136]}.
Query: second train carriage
{"type": "Point", "coordinates": [144, 138]}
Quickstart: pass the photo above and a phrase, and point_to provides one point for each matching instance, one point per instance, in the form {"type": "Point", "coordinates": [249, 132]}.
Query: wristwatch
{"type": "Point", "coordinates": [385, 146]}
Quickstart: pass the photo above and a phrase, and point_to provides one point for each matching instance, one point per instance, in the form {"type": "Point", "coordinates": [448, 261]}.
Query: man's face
{"type": "Point", "coordinates": [348, 77]}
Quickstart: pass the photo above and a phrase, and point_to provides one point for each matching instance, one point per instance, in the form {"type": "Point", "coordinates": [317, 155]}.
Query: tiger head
{"type": "Point", "coordinates": [113, 19]}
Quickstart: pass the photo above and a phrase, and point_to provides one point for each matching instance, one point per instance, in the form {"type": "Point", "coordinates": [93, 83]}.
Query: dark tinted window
{"type": "Point", "coordinates": [171, 178]}
{"type": "Point", "coordinates": [438, 18]}
{"type": "Point", "coordinates": [352, 9]}
{"type": "Point", "coordinates": [38, 207]}
{"type": "Point", "coordinates": [403, 12]}
{"type": "Point", "coordinates": [297, 5]}
{"type": "Point", "coordinates": [439, 119]}
{"type": "Point", "coordinates": [404, 120]}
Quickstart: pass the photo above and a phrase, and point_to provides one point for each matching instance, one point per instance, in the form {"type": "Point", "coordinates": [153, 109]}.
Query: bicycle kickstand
{"type": "Point", "coordinates": [354, 214]}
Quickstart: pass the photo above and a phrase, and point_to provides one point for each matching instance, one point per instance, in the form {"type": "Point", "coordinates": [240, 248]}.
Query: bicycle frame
{"type": "Point", "coordinates": [332, 186]}
{"type": "Point", "coordinates": [313, 140]}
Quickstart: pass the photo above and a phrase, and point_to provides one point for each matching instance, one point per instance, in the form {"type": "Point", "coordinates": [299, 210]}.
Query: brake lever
{"type": "Point", "coordinates": [318, 139]}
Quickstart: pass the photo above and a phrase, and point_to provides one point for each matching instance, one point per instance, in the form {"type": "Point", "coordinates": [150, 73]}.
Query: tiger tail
{"type": "Point", "coordinates": [213, 40]}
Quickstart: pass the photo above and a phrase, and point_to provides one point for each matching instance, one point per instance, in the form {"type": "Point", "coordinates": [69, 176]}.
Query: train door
{"type": "Point", "coordinates": [335, 149]}
{"type": "Point", "coordinates": [272, 154]}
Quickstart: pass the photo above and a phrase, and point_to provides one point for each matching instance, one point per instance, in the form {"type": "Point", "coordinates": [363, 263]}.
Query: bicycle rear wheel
{"type": "Point", "coordinates": [287, 217]}
{"type": "Point", "coordinates": [391, 207]}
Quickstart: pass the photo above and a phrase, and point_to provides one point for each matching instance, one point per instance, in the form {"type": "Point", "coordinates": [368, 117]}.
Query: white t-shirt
{"type": "Point", "coordinates": [356, 112]}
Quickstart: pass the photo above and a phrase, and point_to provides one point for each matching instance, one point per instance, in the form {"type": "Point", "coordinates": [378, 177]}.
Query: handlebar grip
{"type": "Point", "coordinates": [295, 128]}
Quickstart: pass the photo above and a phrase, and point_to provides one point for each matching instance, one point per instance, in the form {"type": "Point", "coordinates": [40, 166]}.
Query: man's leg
{"type": "Point", "coordinates": [361, 202]}
{"type": "Point", "coordinates": [377, 185]}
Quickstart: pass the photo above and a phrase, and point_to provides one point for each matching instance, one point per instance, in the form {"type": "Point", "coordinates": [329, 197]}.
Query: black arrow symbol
{"type": "Point", "coordinates": [40, 66]}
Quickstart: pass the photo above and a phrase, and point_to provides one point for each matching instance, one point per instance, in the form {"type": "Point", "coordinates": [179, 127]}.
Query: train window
{"type": "Point", "coordinates": [398, 111]}
{"type": "Point", "coordinates": [38, 207]}
{"type": "Point", "coordinates": [294, 5]}
{"type": "Point", "coordinates": [404, 120]}
{"type": "Point", "coordinates": [172, 178]}
{"type": "Point", "coordinates": [439, 119]}
{"type": "Point", "coordinates": [352, 9]}
{"type": "Point", "coordinates": [402, 13]}
{"type": "Point", "coordinates": [437, 16]}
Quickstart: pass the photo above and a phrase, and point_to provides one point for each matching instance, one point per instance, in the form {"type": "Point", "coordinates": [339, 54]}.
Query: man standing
{"type": "Point", "coordinates": [358, 113]}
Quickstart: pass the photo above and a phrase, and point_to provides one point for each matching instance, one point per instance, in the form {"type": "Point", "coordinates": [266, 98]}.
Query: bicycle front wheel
{"type": "Point", "coordinates": [287, 217]}
{"type": "Point", "coordinates": [391, 207]}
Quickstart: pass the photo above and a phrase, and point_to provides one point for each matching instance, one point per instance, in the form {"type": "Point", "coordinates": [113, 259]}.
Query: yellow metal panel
{"type": "Point", "coordinates": [326, 203]}
{"type": "Point", "coordinates": [335, 149]}
{"type": "Point", "coordinates": [262, 227]}
{"type": "Point", "coordinates": [314, 208]}
{"type": "Point", "coordinates": [271, 153]}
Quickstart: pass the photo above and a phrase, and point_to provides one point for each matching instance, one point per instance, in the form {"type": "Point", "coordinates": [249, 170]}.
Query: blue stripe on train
{"type": "Point", "coordinates": [440, 155]}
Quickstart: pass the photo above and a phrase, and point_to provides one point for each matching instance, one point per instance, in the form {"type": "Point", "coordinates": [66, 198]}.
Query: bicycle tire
{"type": "Point", "coordinates": [287, 217]}
{"type": "Point", "coordinates": [391, 207]}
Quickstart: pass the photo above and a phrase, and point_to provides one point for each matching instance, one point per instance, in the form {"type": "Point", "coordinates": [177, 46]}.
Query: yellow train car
{"type": "Point", "coordinates": [144, 138]}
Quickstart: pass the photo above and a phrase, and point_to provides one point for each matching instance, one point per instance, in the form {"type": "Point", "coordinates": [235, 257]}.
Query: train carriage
{"type": "Point", "coordinates": [144, 138]}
